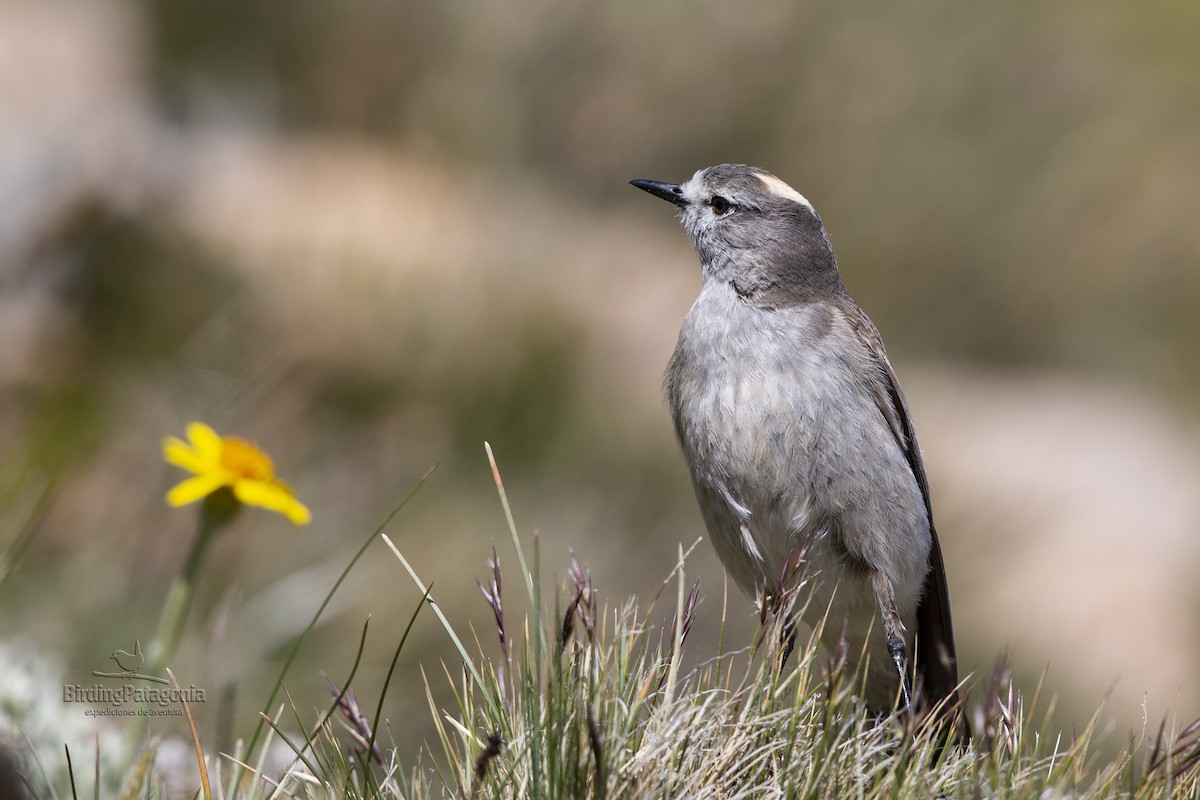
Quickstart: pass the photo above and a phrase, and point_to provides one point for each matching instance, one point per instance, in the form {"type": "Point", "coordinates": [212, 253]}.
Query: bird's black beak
{"type": "Point", "coordinates": [671, 192]}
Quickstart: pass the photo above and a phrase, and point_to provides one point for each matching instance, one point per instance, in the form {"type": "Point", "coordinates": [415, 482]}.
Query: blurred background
{"type": "Point", "coordinates": [371, 235]}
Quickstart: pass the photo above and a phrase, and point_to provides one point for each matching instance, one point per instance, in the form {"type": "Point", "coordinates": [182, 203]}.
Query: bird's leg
{"type": "Point", "coordinates": [772, 604]}
{"type": "Point", "coordinates": [893, 629]}
{"type": "Point", "coordinates": [787, 638]}
{"type": "Point", "coordinates": [789, 576]}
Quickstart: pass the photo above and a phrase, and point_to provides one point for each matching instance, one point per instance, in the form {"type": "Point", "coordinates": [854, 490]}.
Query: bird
{"type": "Point", "coordinates": [136, 658]}
{"type": "Point", "coordinates": [798, 437]}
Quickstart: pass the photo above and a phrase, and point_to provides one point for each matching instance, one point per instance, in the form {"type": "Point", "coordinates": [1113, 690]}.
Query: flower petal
{"type": "Point", "coordinates": [297, 513]}
{"type": "Point", "coordinates": [180, 453]}
{"type": "Point", "coordinates": [205, 442]}
{"type": "Point", "coordinates": [193, 489]}
{"type": "Point", "coordinates": [273, 497]}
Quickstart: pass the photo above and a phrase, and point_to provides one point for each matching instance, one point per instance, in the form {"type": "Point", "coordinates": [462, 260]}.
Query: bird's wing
{"type": "Point", "coordinates": [936, 657]}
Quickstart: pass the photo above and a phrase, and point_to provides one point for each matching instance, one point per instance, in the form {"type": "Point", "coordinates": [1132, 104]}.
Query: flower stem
{"type": "Point", "coordinates": [217, 511]}
{"type": "Point", "coordinates": [179, 599]}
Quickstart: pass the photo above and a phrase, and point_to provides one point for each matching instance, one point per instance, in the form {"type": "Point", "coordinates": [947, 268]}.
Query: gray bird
{"type": "Point", "coordinates": [797, 435]}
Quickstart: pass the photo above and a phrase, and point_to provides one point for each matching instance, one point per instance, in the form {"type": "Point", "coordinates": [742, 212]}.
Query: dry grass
{"type": "Point", "coordinates": [590, 700]}
{"type": "Point", "coordinates": [587, 699]}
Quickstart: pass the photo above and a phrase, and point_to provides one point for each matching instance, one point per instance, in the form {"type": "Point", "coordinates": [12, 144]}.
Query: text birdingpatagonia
{"type": "Point", "coordinates": [798, 437]}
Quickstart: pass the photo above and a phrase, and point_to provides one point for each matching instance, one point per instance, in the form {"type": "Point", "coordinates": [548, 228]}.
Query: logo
{"type": "Point", "coordinates": [130, 699]}
{"type": "Point", "coordinates": [129, 663]}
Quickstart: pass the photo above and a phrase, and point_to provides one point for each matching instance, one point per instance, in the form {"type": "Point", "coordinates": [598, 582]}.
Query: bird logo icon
{"type": "Point", "coordinates": [130, 663]}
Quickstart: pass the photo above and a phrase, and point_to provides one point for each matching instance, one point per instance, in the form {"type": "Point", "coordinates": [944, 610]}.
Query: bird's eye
{"type": "Point", "coordinates": [720, 205]}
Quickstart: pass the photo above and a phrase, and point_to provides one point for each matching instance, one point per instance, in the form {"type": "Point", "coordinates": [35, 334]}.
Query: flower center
{"type": "Point", "coordinates": [245, 460]}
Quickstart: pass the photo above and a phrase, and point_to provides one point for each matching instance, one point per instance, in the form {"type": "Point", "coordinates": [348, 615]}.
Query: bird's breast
{"type": "Point", "coordinates": [786, 444]}
{"type": "Point", "coordinates": [747, 383]}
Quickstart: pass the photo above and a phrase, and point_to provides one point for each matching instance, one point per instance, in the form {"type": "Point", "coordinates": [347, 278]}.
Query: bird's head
{"type": "Point", "coordinates": [751, 228]}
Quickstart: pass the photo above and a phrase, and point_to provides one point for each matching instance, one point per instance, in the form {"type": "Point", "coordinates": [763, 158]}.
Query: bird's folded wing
{"type": "Point", "coordinates": [936, 657]}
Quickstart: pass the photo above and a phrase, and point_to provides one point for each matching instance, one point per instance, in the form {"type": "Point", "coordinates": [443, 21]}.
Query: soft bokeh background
{"type": "Point", "coordinates": [371, 235]}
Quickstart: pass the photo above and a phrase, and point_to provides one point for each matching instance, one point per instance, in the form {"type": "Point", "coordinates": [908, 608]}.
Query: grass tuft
{"type": "Point", "coordinates": [589, 699]}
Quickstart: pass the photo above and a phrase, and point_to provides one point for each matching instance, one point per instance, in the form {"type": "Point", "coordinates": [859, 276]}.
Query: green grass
{"type": "Point", "coordinates": [587, 699]}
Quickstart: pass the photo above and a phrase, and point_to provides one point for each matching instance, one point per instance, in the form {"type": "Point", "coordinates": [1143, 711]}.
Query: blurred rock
{"type": "Point", "coordinates": [77, 140]}
{"type": "Point", "coordinates": [1069, 514]}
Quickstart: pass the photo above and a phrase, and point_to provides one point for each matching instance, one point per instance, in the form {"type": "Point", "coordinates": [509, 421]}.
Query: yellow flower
{"type": "Point", "coordinates": [220, 461]}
